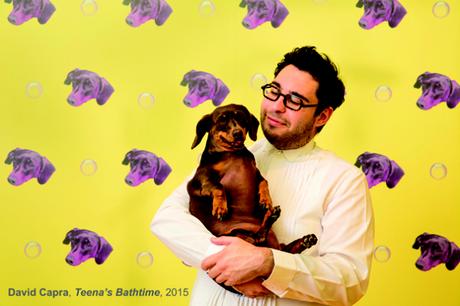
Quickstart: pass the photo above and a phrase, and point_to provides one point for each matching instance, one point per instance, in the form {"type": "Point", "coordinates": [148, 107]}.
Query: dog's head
{"type": "Point", "coordinates": [85, 245]}
{"type": "Point", "coordinates": [227, 127]}
{"type": "Point", "coordinates": [87, 85]}
{"type": "Point", "coordinates": [203, 86]}
{"type": "Point", "coordinates": [436, 250]}
{"type": "Point", "coordinates": [379, 168]}
{"type": "Point", "coordinates": [260, 11]}
{"type": "Point", "coordinates": [144, 10]}
{"type": "Point", "coordinates": [378, 11]}
{"type": "Point", "coordinates": [437, 88]}
{"type": "Point", "coordinates": [145, 165]}
{"type": "Point", "coordinates": [28, 164]}
{"type": "Point", "coordinates": [23, 10]}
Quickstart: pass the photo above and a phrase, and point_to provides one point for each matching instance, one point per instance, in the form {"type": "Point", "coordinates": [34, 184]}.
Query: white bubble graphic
{"type": "Point", "coordinates": [89, 7]}
{"type": "Point", "coordinates": [441, 9]}
{"type": "Point", "coordinates": [146, 100]}
{"type": "Point", "coordinates": [144, 259]}
{"type": "Point", "coordinates": [207, 8]}
{"type": "Point", "coordinates": [88, 167]}
{"type": "Point", "coordinates": [258, 80]}
{"type": "Point", "coordinates": [438, 171]}
{"type": "Point", "coordinates": [34, 90]}
{"type": "Point", "coordinates": [382, 253]}
{"type": "Point", "coordinates": [383, 93]}
{"type": "Point", "coordinates": [32, 249]}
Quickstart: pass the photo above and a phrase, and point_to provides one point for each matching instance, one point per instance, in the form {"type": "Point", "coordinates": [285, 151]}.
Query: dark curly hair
{"type": "Point", "coordinates": [331, 91]}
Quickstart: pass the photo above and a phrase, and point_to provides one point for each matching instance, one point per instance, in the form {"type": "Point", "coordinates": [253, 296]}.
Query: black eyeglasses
{"type": "Point", "coordinates": [292, 101]}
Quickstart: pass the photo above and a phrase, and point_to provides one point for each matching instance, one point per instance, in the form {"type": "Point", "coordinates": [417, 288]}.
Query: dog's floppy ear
{"type": "Point", "coordinates": [127, 2]}
{"type": "Point", "coordinates": [203, 126]}
{"type": "Point", "coordinates": [162, 172]}
{"type": "Point", "coordinates": [454, 98]}
{"type": "Point", "coordinates": [420, 79]}
{"type": "Point", "coordinates": [395, 174]}
{"type": "Point", "coordinates": [221, 94]}
{"type": "Point", "coordinates": [103, 252]}
{"type": "Point", "coordinates": [46, 13]}
{"type": "Point", "coordinates": [243, 3]}
{"type": "Point", "coordinates": [361, 158]}
{"type": "Point", "coordinates": [419, 240]}
{"type": "Point", "coordinates": [189, 75]}
{"type": "Point", "coordinates": [69, 235]}
{"type": "Point", "coordinates": [128, 157]}
{"type": "Point", "coordinates": [360, 3]}
{"type": "Point", "coordinates": [70, 76]}
{"type": "Point", "coordinates": [454, 258]}
{"type": "Point", "coordinates": [164, 12]}
{"type": "Point", "coordinates": [11, 156]}
{"type": "Point", "coordinates": [104, 93]}
{"type": "Point", "coordinates": [45, 171]}
{"type": "Point", "coordinates": [253, 126]}
{"type": "Point", "coordinates": [280, 14]}
{"type": "Point", "coordinates": [398, 14]}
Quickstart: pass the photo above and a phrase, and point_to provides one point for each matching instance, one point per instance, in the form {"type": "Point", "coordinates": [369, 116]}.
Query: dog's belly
{"type": "Point", "coordinates": [241, 188]}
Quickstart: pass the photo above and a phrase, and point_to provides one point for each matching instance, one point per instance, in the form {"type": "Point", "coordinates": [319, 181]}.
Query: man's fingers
{"type": "Point", "coordinates": [222, 240]}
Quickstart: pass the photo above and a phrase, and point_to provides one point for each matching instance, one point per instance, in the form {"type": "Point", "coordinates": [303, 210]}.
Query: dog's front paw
{"type": "Point", "coordinates": [219, 207]}
{"type": "Point", "coordinates": [309, 240]}
{"type": "Point", "coordinates": [264, 196]}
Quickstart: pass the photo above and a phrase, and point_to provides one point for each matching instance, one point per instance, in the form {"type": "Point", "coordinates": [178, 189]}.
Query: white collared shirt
{"type": "Point", "coordinates": [318, 193]}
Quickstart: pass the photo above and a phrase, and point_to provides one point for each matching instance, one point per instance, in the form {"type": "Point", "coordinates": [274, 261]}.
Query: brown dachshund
{"type": "Point", "coordinates": [228, 194]}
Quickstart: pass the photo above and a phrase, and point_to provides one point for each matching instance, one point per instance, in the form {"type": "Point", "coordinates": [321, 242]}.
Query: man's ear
{"type": "Point", "coordinates": [323, 117]}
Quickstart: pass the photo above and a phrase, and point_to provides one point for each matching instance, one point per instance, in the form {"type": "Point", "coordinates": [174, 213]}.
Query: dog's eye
{"type": "Point", "coordinates": [145, 163]}
{"type": "Point", "coordinates": [379, 5]}
{"type": "Point", "coordinates": [437, 85]}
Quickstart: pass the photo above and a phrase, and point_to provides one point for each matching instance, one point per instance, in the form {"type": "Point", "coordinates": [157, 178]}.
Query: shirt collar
{"type": "Point", "coordinates": [293, 154]}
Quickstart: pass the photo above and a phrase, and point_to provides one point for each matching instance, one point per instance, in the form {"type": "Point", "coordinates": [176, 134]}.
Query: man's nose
{"type": "Point", "coordinates": [278, 104]}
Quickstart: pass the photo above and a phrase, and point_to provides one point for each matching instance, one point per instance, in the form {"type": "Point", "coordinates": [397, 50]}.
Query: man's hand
{"type": "Point", "coordinates": [239, 262]}
{"type": "Point", "coordinates": [252, 288]}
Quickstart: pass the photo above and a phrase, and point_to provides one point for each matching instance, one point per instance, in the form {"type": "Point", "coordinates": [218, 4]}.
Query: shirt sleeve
{"type": "Point", "coordinates": [180, 231]}
{"type": "Point", "coordinates": [339, 274]}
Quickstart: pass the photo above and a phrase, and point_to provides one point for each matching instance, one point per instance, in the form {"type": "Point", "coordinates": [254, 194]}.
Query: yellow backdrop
{"type": "Point", "coordinates": [209, 36]}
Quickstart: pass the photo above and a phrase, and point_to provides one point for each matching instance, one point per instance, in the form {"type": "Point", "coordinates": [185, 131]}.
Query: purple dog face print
{"type": "Point", "coordinates": [436, 250]}
{"type": "Point", "coordinates": [28, 164]}
{"type": "Point", "coordinates": [379, 168]}
{"type": "Point", "coordinates": [437, 88]}
{"type": "Point", "coordinates": [85, 245]}
{"type": "Point", "coordinates": [144, 10]}
{"type": "Point", "coordinates": [87, 85]}
{"type": "Point", "coordinates": [203, 86]}
{"type": "Point", "coordinates": [24, 10]}
{"type": "Point", "coordinates": [145, 165]}
{"type": "Point", "coordinates": [378, 11]}
{"type": "Point", "coordinates": [260, 11]}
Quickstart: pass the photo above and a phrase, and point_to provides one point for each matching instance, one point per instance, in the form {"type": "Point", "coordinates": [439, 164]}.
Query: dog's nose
{"type": "Point", "coordinates": [12, 19]}
{"type": "Point", "coordinates": [129, 181]}
{"type": "Point", "coordinates": [246, 24]}
{"type": "Point", "coordinates": [419, 266]}
{"type": "Point", "coordinates": [129, 21]}
{"type": "Point", "coordinates": [237, 134]}
{"type": "Point", "coordinates": [363, 24]}
{"type": "Point", "coordinates": [69, 260]}
{"type": "Point", "coordinates": [71, 101]}
{"type": "Point", "coordinates": [187, 102]}
{"type": "Point", "coordinates": [12, 181]}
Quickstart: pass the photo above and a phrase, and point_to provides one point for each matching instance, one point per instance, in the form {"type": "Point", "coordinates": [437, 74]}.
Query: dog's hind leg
{"type": "Point", "coordinates": [299, 245]}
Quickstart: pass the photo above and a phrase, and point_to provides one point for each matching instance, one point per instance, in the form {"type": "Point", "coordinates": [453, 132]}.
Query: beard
{"type": "Point", "coordinates": [291, 139]}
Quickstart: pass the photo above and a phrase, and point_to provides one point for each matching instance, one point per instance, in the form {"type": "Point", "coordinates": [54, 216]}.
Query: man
{"type": "Point", "coordinates": [318, 193]}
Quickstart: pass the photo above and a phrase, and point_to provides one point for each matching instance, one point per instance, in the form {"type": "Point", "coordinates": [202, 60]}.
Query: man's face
{"type": "Point", "coordinates": [283, 127]}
